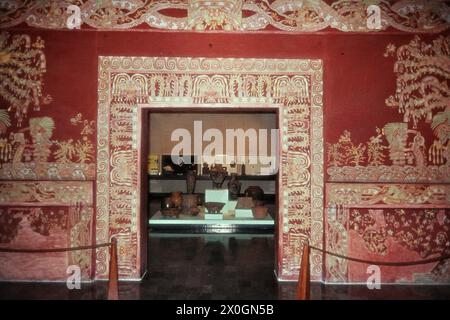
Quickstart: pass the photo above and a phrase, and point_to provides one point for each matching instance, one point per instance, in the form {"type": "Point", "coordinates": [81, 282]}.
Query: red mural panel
{"type": "Point", "coordinates": [400, 235]}
{"type": "Point", "coordinates": [357, 76]}
{"type": "Point", "coordinates": [43, 228]}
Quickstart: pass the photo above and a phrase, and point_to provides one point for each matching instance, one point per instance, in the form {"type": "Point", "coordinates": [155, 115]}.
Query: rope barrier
{"type": "Point", "coordinates": [113, 285]}
{"type": "Point", "coordinates": [9, 250]}
{"type": "Point", "coordinates": [385, 263]}
{"type": "Point", "coordinates": [303, 284]}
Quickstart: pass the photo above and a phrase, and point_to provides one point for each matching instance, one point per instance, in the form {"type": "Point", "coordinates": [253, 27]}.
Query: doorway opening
{"type": "Point", "coordinates": [127, 85]}
{"type": "Point", "coordinates": [164, 176]}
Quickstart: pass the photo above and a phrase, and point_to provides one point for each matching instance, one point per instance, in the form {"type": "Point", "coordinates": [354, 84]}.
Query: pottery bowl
{"type": "Point", "coordinates": [214, 207]}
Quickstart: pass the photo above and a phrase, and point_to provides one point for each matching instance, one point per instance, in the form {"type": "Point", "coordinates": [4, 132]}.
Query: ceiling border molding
{"type": "Point", "coordinates": [417, 16]}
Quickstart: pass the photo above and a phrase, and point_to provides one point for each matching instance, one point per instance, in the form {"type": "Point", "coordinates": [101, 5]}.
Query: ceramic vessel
{"type": "Point", "coordinates": [190, 202]}
{"type": "Point", "coordinates": [234, 187]}
{"type": "Point", "coordinates": [177, 199]}
{"type": "Point", "coordinates": [214, 207]}
{"type": "Point", "coordinates": [257, 203]}
{"type": "Point", "coordinates": [218, 175]}
{"type": "Point", "coordinates": [190, 181]}
{"type": "Point", "coordinates": [255, 192]}
{"type": "Point", "coordinates": [166, 203]}
{"type": "Point", "coordinates": [205, 168]}
{"type": "Point", "coordinates": [170, 212]}
{"type": "Point", "coordinates": [260, 212]}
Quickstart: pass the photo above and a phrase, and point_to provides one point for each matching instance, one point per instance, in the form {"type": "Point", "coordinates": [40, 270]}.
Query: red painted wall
{"type": "Point", "coordinates": [357, 77]}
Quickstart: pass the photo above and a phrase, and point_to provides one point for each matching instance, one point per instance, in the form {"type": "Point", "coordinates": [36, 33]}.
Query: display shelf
{"type": "Point", "coordinates": [207, 178]}
{"type": "Point", "coordinates": [269, 197]}
{"type": "Point", "coordinates": [158, 218]}
{"type": "Point", "coordinates": [229, 224]}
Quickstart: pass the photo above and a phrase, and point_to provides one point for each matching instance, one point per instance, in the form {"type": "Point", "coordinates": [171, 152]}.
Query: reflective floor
{"type": "Point", "coordinates": [200, 266]}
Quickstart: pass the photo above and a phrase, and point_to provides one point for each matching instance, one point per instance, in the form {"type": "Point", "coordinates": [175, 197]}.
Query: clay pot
{"type": "Point", "coordinates": [260, 212]}
{"type": "Point", "coordinates": [255, 192]}
{"type": "Point", "coordinates": [234, 187]}
{"type": "Point", "coordinates": [257, 203]}
{"type": "Point", "coordinates": [201, 199]}
{"type": "Point", "coordinates": [194, 211]}
{"type": "Point", "coordinates": [205, 169]}
{"type": "Point", "coordinates": [166, 203]}
{"type": "Point", "coordinates": [218, 175]}
{"type": "Point", "coordinates": [190, 181]}
{"type": "Point", "coordinates": [177, 199]}
{"type": "Point", "coordinates": [190, 201]}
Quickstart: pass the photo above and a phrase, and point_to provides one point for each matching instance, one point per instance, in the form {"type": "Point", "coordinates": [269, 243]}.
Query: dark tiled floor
{"type": "Point", "coordinates": [214, 267]}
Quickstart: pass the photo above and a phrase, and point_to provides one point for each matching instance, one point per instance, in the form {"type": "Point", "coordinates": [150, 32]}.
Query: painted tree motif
{"type": "Point", "coordinates": [22, 67]}
{"type": "Point", "coordinates": [422, 92]}
{"type": "Point", "coordinates": [345, 152]}
{"type": "Point", "coordinates": [375, 149]}
{"type": "Point", "coordinates": [423, 72]}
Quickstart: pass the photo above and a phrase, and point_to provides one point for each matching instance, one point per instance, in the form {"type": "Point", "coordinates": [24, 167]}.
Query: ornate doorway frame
{"type": "Point", "coordinates": [125, 84]}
